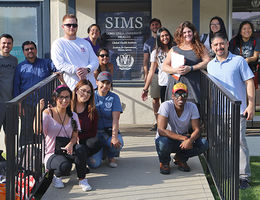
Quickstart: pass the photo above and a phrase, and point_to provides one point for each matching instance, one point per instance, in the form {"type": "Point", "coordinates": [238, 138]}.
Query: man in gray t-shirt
{"type": "Point", "coordinates": [8, 64]}
{"type": "Point", "coordinates": [178, 131]}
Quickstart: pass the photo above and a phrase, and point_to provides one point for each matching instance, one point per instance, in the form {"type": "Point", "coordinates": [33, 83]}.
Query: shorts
{"type": "Point", "coordinates": [154, 87]}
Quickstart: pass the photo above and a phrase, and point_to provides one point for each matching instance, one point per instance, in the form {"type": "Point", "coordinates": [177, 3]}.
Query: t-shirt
{"type": "Point", "coordinates": [162, 76]}
{"type": "Point", "coordinates": [149, 47]}
{"type": "Point", "coordinates": [232, 74]}
{"type": "Point", "coordinates": [105, 105]}
{"type": "Point", "coordinates": [69, 55]}
{"type": "Point", "coordinates": [94, 47]}
{"type": "Point", "coordinates": [51, 129]}
{"type": "Point", "coordinates": [29, 74]}
{"type": "Point", "coordinates": [247, 48]}
{"type": "Point", "coordinates": [179, 125]}
{"type": "Point", "coordinates": [88, 127]}
{"type": "Point", "coordinates": [7, 68]}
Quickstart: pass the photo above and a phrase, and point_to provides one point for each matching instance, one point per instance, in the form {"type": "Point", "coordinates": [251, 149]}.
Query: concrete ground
{"type": "Point", "coordinates": [137, 175]}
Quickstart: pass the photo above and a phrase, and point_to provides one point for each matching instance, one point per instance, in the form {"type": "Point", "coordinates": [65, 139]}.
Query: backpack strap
{"type": "Point", "coordinates": [204, 37]}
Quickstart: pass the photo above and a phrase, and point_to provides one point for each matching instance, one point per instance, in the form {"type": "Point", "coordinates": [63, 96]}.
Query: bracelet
{"type": "Point", "coordinates": [191, 68]}
{"type": "Point", "coordinates": [145, 90]}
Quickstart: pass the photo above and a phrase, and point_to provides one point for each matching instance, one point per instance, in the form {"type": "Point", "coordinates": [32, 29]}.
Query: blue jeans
{"type": "Point", "coordinates": [165, 146]}
{"type": "Point", "coordinates": [111, 152]}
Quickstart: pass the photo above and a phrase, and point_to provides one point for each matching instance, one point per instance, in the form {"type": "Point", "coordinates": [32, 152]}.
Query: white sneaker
{"type": "Point", "coordinates": [112, 163]}
{"type": "Point", "coordinates": [57, 182]}
{"type": "Point", "coordinates": [84, 185]}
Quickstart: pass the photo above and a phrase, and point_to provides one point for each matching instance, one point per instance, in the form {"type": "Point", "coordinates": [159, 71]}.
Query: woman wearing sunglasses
{"type": "Point", "coordinates": [83, 104]}
{"type": "Point", "coordinates": [104, 64]}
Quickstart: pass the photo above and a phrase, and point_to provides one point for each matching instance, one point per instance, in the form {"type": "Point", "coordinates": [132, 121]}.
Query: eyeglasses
{"type": "Point", "coordinates": [71, 25]}
{"type": "Point", "coordinates": [31, 48]}
{"type": "Point", "coordinates": [104, 55]}
{"type": "Point", "coordinates": [85, 91]}
{"type": "Point", "coordinates": [61, 98]}
{"type": "Point", "coordinates": [183, 95]}
{"type": "Point", "coordinates": [214, 24]}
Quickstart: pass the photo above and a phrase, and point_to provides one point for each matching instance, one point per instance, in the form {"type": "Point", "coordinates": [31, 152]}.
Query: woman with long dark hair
{"type": "Point", "coordinates": [60, 128]}
{"type": "Point", "coordinates": [84, 105]}
{"type": "Point", "coordinates": [104, 64]}
{"type": "Point", "coordinates": [164, 42]}
{"type": "Point", "coordinates": [216, 24]}
{"type": "Point", "coordinates": [245, 44]}
{"type": "Point", "coordinates": [195, 57]}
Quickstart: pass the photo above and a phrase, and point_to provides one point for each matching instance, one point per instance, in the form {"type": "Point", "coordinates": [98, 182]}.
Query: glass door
{"type": "Point", "coordinates": [24, 22]}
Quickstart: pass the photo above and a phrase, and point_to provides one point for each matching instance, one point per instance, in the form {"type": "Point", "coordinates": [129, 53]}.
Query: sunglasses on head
{"type": "Point", "coordinates": [104, 55]}
{"type": "Point", "coordinates": [71, 25]}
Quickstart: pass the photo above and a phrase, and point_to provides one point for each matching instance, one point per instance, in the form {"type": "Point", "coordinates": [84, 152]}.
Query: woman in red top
{"type": "Point", "coordinates": [83, 104]}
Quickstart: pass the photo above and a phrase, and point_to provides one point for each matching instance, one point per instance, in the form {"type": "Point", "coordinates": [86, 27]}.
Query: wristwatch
{"type": "Point", "coordinates": [88, 70]}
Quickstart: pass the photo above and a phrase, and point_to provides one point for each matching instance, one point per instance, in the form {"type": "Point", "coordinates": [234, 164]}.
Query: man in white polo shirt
{"type": "Point", "coordinates": [74, 56]}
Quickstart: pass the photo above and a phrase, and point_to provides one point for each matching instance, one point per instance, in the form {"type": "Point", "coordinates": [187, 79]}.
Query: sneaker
{"type": "Point", "coordinates": [84, 185]}
{"type": "Point", "coordinates": [244, 184]}
{"type": "Point", "coordinates": [112, 163]}
{"type": "Point", "coordinates": [57, 182]}
{"type": "Point", "coordinates": [182, 166]}
{"type": "Point", "coordinates": [165, 168]}
{"type": "Point", "coordinates": [154, 128]}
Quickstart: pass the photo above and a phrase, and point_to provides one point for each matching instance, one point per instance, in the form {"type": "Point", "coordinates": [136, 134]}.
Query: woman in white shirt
{"type": "Point", "coordinates": [164, 42]}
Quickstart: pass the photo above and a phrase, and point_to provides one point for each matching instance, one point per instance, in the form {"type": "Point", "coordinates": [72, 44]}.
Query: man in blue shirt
{"type": "Point", "coordinates": [234, 74]}
{"type": "Point", "coordinates": [32, 70]}
{"type": "Point", "coordinates": [27, 74]}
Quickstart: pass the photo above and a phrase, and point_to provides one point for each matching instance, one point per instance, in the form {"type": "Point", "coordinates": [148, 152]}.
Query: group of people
{"type": "Point", "coordinates": [82, 124]}
{"type": "Point", "coordinates": [178, 60]}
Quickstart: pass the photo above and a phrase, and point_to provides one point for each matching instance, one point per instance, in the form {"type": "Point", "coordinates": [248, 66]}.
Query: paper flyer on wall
{"type": "Point", "coordinates": [176, 61]}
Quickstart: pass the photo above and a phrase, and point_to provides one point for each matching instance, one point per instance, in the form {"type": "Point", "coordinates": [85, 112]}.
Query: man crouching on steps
{"type": "Point", "coordinates": [178, 131]}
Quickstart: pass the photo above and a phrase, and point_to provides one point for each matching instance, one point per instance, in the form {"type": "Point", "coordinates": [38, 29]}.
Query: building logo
{"type": "Point", "coordinates": [255, 3]}
{"type": "Point", "coordinates": [125, 61]}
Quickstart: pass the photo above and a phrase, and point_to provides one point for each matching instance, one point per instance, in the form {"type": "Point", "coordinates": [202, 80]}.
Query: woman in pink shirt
{"type": "Point", "coordinates": [60, 122]}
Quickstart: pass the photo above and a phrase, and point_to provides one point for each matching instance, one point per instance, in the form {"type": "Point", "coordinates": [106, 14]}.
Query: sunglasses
{"type": "Point", "coordinates": [71, 25]}
{"type": "Point", "coordinates": [104, 55]}
{"type": "Point", "coordinates": [183, 95]}
{"type": "Point", "coordinates": [31, 48]}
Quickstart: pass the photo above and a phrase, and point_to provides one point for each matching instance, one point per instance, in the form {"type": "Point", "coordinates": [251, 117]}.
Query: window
{"type": "Point", "coordinates": [25, 20]}
{"type": "Point", "coordinates": [124, 29]}
{"type": "Point", "coordinates": [246, 10]}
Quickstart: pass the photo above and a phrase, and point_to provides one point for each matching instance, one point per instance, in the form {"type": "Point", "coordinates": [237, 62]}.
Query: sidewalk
{"type": "Point", "coordinates": [137, 175]}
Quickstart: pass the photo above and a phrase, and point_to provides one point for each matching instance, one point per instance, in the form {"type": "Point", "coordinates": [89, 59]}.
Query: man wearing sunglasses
{"type": "Point", "coordinates": [32, 70]}
{"type": "Point", "coordinates": [178, 131]}
{"type": "Point", "coordinates": [73, 55]}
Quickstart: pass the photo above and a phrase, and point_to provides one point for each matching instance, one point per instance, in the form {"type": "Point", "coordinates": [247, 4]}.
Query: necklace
{"type": "Point", "coordinates": [62, 121]}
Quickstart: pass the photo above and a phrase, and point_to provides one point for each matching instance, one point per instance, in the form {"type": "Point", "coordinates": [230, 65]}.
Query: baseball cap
{"type": "Point", "coordinates": [104, 76]}
{"type": "Point", "coordinates": [179, 86]}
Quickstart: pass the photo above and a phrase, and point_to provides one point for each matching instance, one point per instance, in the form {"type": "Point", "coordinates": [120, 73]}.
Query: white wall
{"type": "Point", "coordinates": [172, 13]}
{"type": "Point", "coordinates": [86, 13]}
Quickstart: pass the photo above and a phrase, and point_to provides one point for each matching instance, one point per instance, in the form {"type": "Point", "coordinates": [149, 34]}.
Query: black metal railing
{"type": "Point", "coordinates": [25, 142]}
{"type": "Point", "coordinates": [220, 115]}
